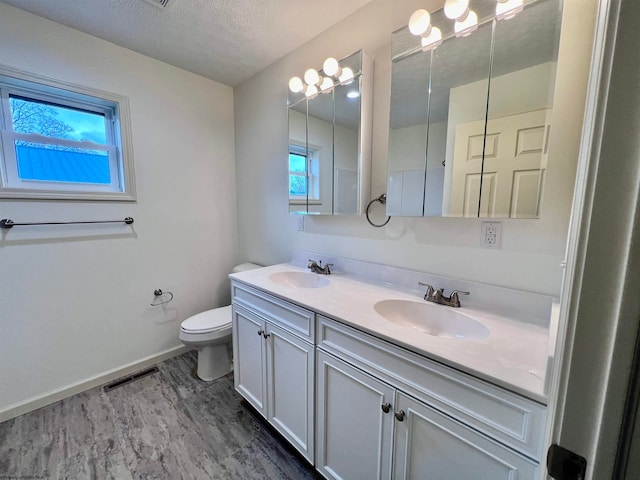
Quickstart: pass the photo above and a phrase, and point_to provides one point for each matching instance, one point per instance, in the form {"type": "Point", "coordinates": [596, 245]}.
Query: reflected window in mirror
{"type": "Point", "coordinates": [297, 174]}
{"type": "Point", "coordinates": [304, 175]}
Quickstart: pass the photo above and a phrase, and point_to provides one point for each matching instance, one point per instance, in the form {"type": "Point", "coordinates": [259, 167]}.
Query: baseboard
{"type": "Point", "coordinates": [34, 403]}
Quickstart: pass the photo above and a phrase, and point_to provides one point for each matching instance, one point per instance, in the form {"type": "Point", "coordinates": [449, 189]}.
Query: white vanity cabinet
{"type": "Point", "coordinates": [274, 362]}
{"type": "Point", "coordinates": [384, 412]}
{"type": "Point", "coordinates": [360, 407]}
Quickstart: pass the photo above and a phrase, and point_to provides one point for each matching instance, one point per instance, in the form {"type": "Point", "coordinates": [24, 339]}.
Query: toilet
{"type": "Point", "coordinates": [210, 333]}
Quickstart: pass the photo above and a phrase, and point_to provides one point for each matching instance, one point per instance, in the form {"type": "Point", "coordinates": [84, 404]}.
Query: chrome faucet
{"type": "Point", "coordinates": [438, 296]}
{"type": "Point", "coordinates": [318, 268]}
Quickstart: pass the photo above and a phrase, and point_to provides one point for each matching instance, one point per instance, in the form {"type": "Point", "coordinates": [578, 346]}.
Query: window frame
{"type": "Point", "coordinates": [312, 175]}
{"type": "Point", "coordinates": [301, 152]}
{"type": "Point", "coordinates": [119, 148]}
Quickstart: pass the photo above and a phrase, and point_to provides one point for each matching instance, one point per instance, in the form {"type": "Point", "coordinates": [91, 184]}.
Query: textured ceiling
{"type": "Point", "coordinates": [225, 40]}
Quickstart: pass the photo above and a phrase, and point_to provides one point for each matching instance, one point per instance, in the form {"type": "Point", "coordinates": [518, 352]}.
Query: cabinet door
{"type": "Point", "coordinates": [249, 357]}
{"type": "Point", "coordinates": [290, 386]}
{"type": "Point", "coordinates": [430, 445]}
{"type": "Point", "coordinates": [353, 433]}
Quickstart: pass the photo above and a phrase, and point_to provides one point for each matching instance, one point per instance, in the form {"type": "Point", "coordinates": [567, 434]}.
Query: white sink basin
{"type": "Point", "coordinates": [299, 279]}
{"type": "Point", "coordinates": [437, 320]}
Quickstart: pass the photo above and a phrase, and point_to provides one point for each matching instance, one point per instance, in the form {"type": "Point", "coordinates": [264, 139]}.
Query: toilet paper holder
{"type": "Point", "coordinates": [159, 293]}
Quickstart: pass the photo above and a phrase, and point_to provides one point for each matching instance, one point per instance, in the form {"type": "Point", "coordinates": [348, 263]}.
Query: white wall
{"type": "Point", "coordinates": [532, 250]}
{"type": "Point", "coordinates": [75, 300]}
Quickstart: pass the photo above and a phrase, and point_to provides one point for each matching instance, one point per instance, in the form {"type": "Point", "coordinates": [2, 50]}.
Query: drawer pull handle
{"type": "Point", "coordinates": [260, 332]}
{"type": "Point", "coordinates": [400, 415]}
{"type": "Point", "coordinates": [265, 334]}
{"type": "Point", "coordinates": [386, 407]}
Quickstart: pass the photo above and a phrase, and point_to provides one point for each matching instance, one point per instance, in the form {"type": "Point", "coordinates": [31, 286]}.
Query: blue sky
{"type": "Point", "coordinates": [86, 126]}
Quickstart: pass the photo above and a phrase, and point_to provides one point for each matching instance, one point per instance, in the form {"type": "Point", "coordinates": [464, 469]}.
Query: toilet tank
{"type": "Point", "coordinates": [243, 267]}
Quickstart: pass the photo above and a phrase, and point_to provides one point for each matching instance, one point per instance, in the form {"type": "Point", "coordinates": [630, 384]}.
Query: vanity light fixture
{"type": "Point", "coordinates": [311, 77]}
{"type": "Point", "coordinates": [331, 67]}
{"type": "Point", "coordinates": [466, 26]}
{"type": "Point", "coordinates": [296, 85]}
{"type": "Point", "coordinates": [314, 83]}
{"type": "Point", "coordinates": [506, 9]}
{"type": "Point", "coordinates": [326, 85]}
{"type": "Point", "coordinates": [432, 40]}
{"type": "Point", "coordinates": [456, 9]}
{"type": "Point", "coordinates": [466, 21]}
{"type": "Point", "coordinates": [311, 91]}
{"type": "Point", "coordinates": [420, 25]}
{"type": "Point", "coordinates": [346, 76]}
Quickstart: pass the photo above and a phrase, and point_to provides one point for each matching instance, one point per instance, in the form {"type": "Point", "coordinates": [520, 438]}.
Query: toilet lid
{"type": "Point", "coordinates": [208, 321]}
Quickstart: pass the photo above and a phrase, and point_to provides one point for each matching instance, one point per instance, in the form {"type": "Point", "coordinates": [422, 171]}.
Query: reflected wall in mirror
{"type": "Point", "coordinates": [484, 134]}
{"type": "Point", "coordinates": [330, 139]}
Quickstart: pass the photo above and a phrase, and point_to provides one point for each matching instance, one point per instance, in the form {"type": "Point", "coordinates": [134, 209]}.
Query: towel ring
{"type": "Point", "coordinates": [158, 293]}
{"type": "Point", "coordinates": [383, 200]}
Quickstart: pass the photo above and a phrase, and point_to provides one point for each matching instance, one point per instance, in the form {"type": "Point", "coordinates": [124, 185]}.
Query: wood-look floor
{"type": "Point", "coordinates": [168, 425]}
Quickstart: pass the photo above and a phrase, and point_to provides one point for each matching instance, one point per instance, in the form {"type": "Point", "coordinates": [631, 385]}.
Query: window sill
{"type": "Point", "coordinates": [27, 194]}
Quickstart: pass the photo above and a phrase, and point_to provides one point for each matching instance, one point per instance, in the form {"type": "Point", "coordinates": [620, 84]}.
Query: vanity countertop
{"type": "Point", "coordinates": [513, 356]}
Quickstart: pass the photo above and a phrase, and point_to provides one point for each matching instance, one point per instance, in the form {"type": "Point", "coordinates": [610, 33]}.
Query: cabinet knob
{"type": "Point", "coordinates": [386, 407]}
{"type": "Point", "coordinates": [400, 415]}
{"type": "Point", "coordinates": [265, 334]}
{"type": "Point", "coordinates": [260, 332]}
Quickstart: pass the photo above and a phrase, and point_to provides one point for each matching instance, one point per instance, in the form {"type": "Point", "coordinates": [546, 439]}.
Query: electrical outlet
{"type": "Point", "coordinates": [300, 223]}
{"type": "Point", "coordinates": [491, 236]}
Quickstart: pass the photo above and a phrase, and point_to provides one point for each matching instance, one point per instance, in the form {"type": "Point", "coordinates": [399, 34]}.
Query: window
{"type": "Point", "coordinates": [69, 143]}
{"type": "Point", "coordinates": [303, 174]}
{"type": "Point", "coordinates": [297, 174]}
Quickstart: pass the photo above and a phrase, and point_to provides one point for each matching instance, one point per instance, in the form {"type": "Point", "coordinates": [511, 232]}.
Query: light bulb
{"type": "Point", "coordinates": [420, 22]}
{"type": "Point", "coordinates": [326, 84]}
{"type": "Point", "coordinates": [466, 26]}
{"type": "Point", "coordinates": [311, 91]}
{"type": "Point", "coordinates": [331, 67]}
{"type": "Point", "coordinates": [296, 85]}
{"type": "Point", "coordinates": [456, 9]}
{"type": "Point", "coordinates": [346, 75]}
{"type": "Point", "coordinates": [506, 9]}
{"type": "Point", "coordinates": [311, 77]}
{"type": "Point", "coordinates": [432, 40]}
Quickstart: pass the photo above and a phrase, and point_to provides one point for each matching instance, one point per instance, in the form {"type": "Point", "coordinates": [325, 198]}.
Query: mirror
{"type": "Point", "coordinates": [408, 135]}
{"type": "Point", "coordinates": [330, 144]}
{"type": "Point", "coordinates": [469, 121]}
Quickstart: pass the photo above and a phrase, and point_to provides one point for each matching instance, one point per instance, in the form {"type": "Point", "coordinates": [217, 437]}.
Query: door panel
{"type": "Point", "coordinates": [290, 382]}
{"type": "Point", "coordinates": [430, 445]}
{"type": "Point", "coordinates": [249, 357]}
{"type": "Point", "coordinates": [353, 433]}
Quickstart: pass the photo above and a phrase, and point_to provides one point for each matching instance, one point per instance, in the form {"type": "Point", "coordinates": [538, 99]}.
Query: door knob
{"type": "Point", "coordinates": [400, 415]}
{"type": "Point", "coordinates": [265, 334]}
{"type": "Point", "coordinates": [260, 332]}
{"type": "Point", "coordinates": [386, 407]}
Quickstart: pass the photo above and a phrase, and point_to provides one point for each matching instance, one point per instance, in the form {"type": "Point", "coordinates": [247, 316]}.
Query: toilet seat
{"type": "Point", "coordinates": [209, 321]}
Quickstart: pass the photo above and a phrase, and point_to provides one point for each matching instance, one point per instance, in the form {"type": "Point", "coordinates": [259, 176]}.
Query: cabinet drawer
{"type": "Point", "coordinates": [511, 419]}
{"type": "Point", "coordinates": [288, 316]}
